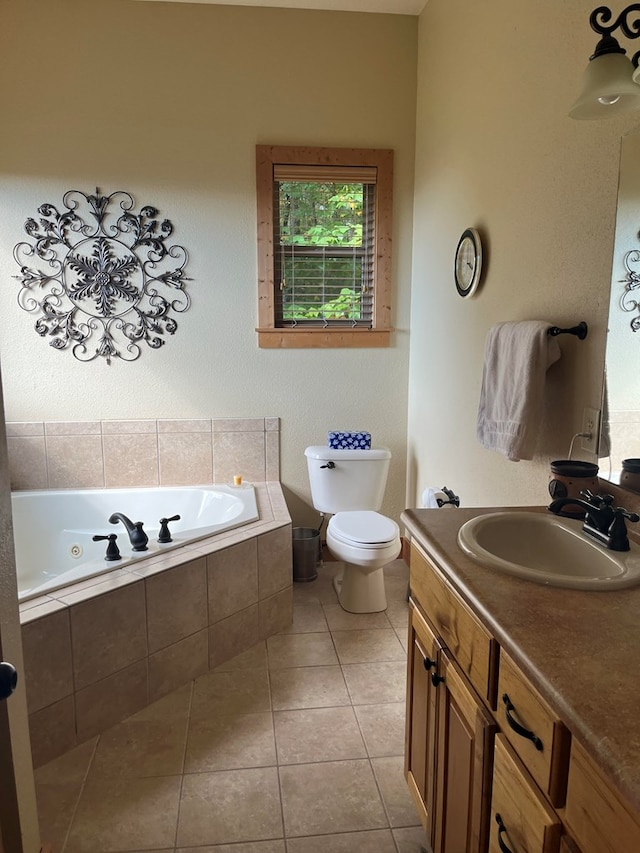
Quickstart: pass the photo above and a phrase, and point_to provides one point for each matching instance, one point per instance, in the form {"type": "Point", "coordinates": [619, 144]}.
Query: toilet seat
{"type": "Point", "coordinates": [364, 529]}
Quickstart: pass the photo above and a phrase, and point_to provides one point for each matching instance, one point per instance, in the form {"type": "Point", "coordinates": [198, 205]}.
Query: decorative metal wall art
{"type": "Point", "coordinates": [629, 299]}
{"type": "Point", "coordinates": [98, 268]}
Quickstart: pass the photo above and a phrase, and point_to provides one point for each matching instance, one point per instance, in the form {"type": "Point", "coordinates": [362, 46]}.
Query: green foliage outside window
{"type": "Point", "coordinates": [318, 221]}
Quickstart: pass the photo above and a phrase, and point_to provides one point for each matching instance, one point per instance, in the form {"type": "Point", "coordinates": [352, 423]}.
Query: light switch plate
{"type": "Point", "coordinates": [591, 426]}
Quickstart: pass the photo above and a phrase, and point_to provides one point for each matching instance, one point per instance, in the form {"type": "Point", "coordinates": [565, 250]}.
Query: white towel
{"type": "Point", "coordinates": [516, 359]}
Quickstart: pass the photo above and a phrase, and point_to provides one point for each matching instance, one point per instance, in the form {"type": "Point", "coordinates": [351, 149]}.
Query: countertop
{"type": "Point", "coordinates": [580, 649]}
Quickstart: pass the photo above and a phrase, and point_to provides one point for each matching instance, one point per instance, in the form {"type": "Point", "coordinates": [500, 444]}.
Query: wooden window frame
{"type": "Point", "coordinates": [379, 335]}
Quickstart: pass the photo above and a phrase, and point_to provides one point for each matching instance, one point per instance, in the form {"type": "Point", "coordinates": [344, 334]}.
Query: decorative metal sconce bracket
{"type": "Point", "coordinates": [90, 270]}
{"type": "Point", "coordinates": [628, 21]}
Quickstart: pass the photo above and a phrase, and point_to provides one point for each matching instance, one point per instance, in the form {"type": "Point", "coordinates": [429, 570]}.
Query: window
{"type": "Point", "coordinates": [324, 246]}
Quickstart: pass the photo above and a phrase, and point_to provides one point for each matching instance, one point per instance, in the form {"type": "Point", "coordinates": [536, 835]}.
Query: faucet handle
{"type": "Point", "coordinates": [630, 516]}
{"type": "Point", "coordinates": [164, 534]}
{"type": "Point", "coordinates": [113, 553]}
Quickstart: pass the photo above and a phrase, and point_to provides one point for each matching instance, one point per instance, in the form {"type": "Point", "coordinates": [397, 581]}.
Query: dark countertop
{"type": "Point", "coordinates": [580, 649]}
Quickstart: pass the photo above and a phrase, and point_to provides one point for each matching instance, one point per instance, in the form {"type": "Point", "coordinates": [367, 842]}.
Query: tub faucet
{"type": "Point", "coordinates": [137, 536]}
{"type": "Point", "coordinates": [602, 521]}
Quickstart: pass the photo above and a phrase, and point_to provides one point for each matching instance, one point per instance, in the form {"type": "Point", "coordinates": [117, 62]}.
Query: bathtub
{"type": "Point", "coordinates": [53, 530]}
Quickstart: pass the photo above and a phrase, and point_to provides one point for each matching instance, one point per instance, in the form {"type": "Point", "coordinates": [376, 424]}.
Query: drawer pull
{"type": "Point", "coordinates": [502, 828]}
{"type": "Point", "coordinates": [515, 725]}
{"type": "Point", "coordinates": [436, 679]}
{"type": "Point", "coordinates": [429, 664]}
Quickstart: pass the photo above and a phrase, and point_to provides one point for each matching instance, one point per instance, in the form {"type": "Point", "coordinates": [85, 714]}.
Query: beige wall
{"type": "Point", "coordinates": [496, 150]}
{"type": "Point", "coordinates": [168, 101]}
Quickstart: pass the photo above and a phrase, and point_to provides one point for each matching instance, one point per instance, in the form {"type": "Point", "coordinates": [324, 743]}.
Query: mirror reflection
{"type": "Point", "coordinates": [621, 404]}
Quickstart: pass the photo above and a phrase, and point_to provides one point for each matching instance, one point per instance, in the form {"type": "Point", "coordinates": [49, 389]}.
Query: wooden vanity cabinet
{"type": "Point", "coordinates": [489, 774]}
{"type": "Point", "coordinates": [595, 815]}
{"type": "Point", "coordinates": [463, 766]}
{"type": "Point", "coordinates": [449, 731]}
{"type": "Point", "coordinates": [420, 734]}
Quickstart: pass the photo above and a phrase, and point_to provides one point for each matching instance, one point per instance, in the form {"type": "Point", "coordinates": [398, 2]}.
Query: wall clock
{"type": "Point", "coordinates": [467, 267]}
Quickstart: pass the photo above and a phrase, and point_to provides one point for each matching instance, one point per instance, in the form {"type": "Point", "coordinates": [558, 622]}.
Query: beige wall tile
{"type": "Point", "coordinates": [27, 462]}
{"type": "Point", "coordinates": [25, 428]}
{"type": "Point", "coordinates": [231, 636]}
{"type": "Point", "coordinates": [176, 604]}
{"type": "Point", "coordinates": [240, 452]}
{"type": "Point", "coordinates": [272, 456]}
{"type": "Point", "coordinates": [238, 424]}
{"type": "Point", "coordinates": [52, 730]}
{"type": "Point", "coordinates": [75, 463]}
{"type": "Point", "coordinates": [106, 702]}
{"type": "Point", "coordinates": [276, 612]}
{"type": "Point", "coordinates": [272, 424]}
{"type": "Point", "coordinates": [108, 633]}
{"type": "Point", "coordinates": [185, 425]}
{"type": "Point", "coordinates": [72, 428]}
{"type": "Point", "coordinates": [185, 458]}
{"type": "Point", "coordinates": [274, 561]}
{"type": "Point", "coordinates": [48, 674]}
{"type": "Point", "coordinates": [133, 427]}
{"type": "Point", "coordinates": [177, 664]}
{"type": "Point", "coordinates": [130, 460]}
{"type": "Point", "coordinates": [232, 576]}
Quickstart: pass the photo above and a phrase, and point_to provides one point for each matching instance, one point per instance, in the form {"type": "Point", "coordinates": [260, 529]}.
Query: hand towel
{"type": "Point", "coordinates": [517, 356]}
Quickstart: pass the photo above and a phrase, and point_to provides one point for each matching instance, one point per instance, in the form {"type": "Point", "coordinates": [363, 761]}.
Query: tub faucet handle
{"type": "Point", "coordinates": [165, 533]}
{"type": "Point", "coordinates": [113, 552]}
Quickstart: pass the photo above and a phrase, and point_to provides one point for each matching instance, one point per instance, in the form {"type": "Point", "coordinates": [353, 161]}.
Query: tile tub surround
{"type": "Point", "coordinates": [102, 649]}
{"type": "Point", "coordinates": [296, 744]}
{"type": "Point", "coordinates": [136, 453]}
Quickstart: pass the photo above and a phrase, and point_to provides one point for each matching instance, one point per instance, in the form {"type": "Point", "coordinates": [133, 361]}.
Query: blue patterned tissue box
{"type": "Point", "coordinates": [350, 440]}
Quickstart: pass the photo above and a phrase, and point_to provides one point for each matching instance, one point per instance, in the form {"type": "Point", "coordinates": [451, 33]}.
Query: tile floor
{"type": "Point", "coordinates": [292, 747]}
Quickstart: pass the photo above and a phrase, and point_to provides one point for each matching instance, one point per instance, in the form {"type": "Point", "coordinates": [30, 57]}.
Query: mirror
{"type": "Point", "coordinates": [620, 437]}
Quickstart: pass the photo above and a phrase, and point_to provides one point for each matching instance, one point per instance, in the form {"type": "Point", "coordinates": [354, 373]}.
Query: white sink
{"type": "Point", "coordinates": [547, 549]}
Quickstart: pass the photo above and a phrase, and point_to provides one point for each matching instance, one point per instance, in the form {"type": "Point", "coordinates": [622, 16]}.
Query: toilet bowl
{"type": "Point", "coordinates": [365, 542]}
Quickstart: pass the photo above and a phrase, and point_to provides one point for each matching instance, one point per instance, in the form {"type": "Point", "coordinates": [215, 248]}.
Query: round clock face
{"type": "Point", "coordinates": [468, 262]}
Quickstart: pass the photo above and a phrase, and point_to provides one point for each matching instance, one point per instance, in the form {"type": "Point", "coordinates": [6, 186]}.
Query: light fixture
{"type": "Point", "coordinates": [611, 83]}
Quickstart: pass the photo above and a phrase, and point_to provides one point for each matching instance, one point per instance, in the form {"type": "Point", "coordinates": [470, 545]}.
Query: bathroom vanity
{"type": "Point", "coordinates": [522, 732]}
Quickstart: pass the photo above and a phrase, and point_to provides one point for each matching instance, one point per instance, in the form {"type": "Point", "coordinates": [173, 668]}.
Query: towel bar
{"type": "Point", "coordinates": [579, 331]}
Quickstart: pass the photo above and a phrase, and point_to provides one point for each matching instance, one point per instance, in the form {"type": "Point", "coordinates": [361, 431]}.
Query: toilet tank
{"type": "Point", "coordinates": [356, 480]}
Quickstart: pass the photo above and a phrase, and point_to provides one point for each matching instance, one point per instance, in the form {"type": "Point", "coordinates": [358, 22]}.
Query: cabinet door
{"type": "Point", "coordinates": [421, 717]}
{"type": "Point", "coordinates": [464, 753]}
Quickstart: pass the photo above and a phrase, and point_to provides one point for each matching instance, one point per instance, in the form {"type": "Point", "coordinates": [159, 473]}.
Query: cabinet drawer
{"type": "Point", "coordinates": [521, 819]}
{"type": "Point", "coordinates": [595, 815]}
{"type": "Point", "coordinates": [533, 730]}
{"type": "Point", "coordinates": [568, 846]}
{"type": "Point", "coordinates": [473, 647]}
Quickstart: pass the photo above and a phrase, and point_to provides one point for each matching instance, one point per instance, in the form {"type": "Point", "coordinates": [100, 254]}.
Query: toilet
{"type": "Point", "coordinates": [350, 485]}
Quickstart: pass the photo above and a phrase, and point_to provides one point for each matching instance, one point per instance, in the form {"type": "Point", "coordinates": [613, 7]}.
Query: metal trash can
{"type": "Point", "coordinates": [306, 553]}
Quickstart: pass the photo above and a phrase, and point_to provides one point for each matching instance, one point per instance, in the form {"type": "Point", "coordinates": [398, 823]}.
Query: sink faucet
{"type": "Point", "coordinates": [602, 521]}
{"type": "Point", "coordinates": [137, 536]}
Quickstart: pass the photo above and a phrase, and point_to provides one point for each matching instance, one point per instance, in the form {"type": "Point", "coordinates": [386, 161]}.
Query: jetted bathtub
{"type": "Point", "coordinates": [53, 530]}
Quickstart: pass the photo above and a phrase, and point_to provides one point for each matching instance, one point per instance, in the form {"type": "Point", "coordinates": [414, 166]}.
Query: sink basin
{"type": "Point", "coordinates": [547, 549]}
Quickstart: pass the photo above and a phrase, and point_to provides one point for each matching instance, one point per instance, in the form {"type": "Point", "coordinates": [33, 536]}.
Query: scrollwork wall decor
{"type": "Point", "coordinates": [97, 270]}
{"type": "Point", "coordinates": [631, 281]}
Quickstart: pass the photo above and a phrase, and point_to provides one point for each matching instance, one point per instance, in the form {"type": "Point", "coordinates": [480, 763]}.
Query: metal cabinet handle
{"type": "Point", "coordinates": [436, 679]}
{"type": "Point", "coordinates": [502, 828]}
{"type": "Point", "coordinates": [517, 728]}
{"type": "Point", "coordinates": [428, 663]}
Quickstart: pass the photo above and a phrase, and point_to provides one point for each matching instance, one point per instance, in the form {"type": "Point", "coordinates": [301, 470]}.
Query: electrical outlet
{"type": "Point", "coordinates": [590, 426]}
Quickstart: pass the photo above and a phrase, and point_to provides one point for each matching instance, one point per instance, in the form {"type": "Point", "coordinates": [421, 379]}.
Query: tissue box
{"type": "Point", "coordinates": [350, 440]}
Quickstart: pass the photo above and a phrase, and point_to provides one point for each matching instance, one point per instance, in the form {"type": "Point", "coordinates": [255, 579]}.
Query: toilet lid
{"type": "Point", "coordinates": [364, 527]}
